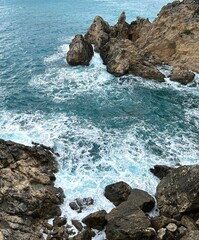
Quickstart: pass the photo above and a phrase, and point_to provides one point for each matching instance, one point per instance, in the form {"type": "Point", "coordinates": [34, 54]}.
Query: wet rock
{"type": "Point", "coordinates": [160, 171]}
{"type": "Point", "coordinates": [77, 224]}
{"type": "Point", "coordinates": [80, 204]}
{"type": "Point", "coordinates": [96, 220]}
{"type": "Point", "coordinates": [117, 192]}
{"type": "Point", "coordinates": [127, 221]}
{"type": "Point", "coordinates": [80, 52]}
{"type": "Point", "coordinates": [98, 33]}
{"type": "Point", "coordinates": [59, 221]}
{"type": "Point", "coordinates": [178, 192]}
{"type": "Point", "coordinates": [182, 75]}
{"type": "Point", "coordinates": [27, 193]}
{"type": "Point", "coordinates": [84, 235]}
{"type": "Point", "coordinates": [141, 199]}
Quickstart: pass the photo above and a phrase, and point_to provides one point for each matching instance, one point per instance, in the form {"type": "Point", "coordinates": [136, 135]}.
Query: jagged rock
{"type": "Point", "coordinates": [160, 171]}
{"type": "Point", "coordinates": [98, 33]}
{"type": "Point", "coordinates": [77, 224]}
{"type": "Point", "coordinates": [141, 199]}
{"type": "Point", "coordinates": [178, 192]}
{"type": "Point", "coordinates": [128, 222]}
{"type": "Point", "coordinates": [80, 51]}
{"type": "Point", "coordinates": [96, 220]}
{"type": "Point", "coordinates": [27, 193]}
{"type": "Point", "coordinates": [84, 235]}
{"type": "Point", "coordinates": [182, 75]}
{"type": "Point", "coordinates": [59, 221]}
{"type": "Point", "coordinates": [117, 192]}
{"type": "Point", "coordinates": [122, 57]}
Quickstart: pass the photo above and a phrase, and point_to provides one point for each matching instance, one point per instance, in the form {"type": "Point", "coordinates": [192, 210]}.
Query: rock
{"type": "Point", "coordinates": [84, 235]}
{"type": "Point", "coordinates": [80, 51]}
{"type": "Point", "coordinates": [178, 192]}
{"type": "Point", "coordinates": [141, 199]}
{"type": "Point", "coordinates": [77, 224]}
{"type": "Point", "coordinates": [182, 231]}
{"type": "Point", "coordinates": [161, 234]}
{"type": "Point", "coordinates": [80, 204]}
{"type": "Point", "coordinates": [122, 57]}
{"type": "Point", "coordinates": [96, 220]}
{"type": "Point", "coordinates": [98, 33]}
{"type": "Point", "coordinates": [59, 221]}
{"type": "Point", "coordinates": [117, 192]}
{"type": "Point", "coordinates": [27, 194]}
{"type": "Point", "coordinates": [188, 223]}
{"type": "Point", "coordinates": [182, 75]}
{"type": "Point", "coordinates": [192, 235]}
{"type": "Point", "coordinates": [128, 222]}
{"type": "Point", "coordinates": [160, 171]}
{"type": "Point", "coordinates": [171, 227]}
{"type": "Point", "coordinates": [161, 222]}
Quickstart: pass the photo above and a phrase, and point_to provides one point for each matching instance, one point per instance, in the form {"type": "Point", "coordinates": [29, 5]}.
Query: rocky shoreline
{"type": "Point", "coordinates": [28, 199]}
{"type": "Point", "coordinates": [141, 46]}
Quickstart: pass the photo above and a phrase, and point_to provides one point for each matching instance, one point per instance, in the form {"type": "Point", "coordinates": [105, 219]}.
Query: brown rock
{"type": "Point", "coordinates": [117, 192]}
{"type": "Point", "coordinates": [126, 222]}
{"type": "Point", "coordinates": [182, 75]}
{"type": "Point", "coordinates": [161, 222]}
{"type": "Point", "coordinates": [160, 171]}
{"type": "Point", "coordinates": [192, 235]}
{"type": "Point", "coordinates": [189, 223]}
{"type": "Point", "coordinates": [96, 220]}
{"type": "Point", "coordinates": [80, 51]}
{"type": "Point", "coordinates": [141, 199]}
{"type": "Point", "coordinates": [77, 224]}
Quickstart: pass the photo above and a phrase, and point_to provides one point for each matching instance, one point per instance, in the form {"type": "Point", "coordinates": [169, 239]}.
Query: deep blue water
{"type": "Point", "coordinates": [105, 128]}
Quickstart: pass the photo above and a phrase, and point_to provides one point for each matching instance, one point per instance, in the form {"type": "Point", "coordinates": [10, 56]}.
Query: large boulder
{"type": "Point", "coordinates": [182, 75]}
{"type": "Point", "coordinates": [178, 192]}
{"type": "Point", "coordinates": [98, 33]}
{"type": "Point", "coordinates": [96, 220]}
{"type": "Point", "coordinates": [80, 51]}
{"type": "Point", "coordinates": [128, 222]}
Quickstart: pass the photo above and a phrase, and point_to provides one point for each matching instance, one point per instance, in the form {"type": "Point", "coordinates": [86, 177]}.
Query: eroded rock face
{"type": "Point", "coordinates": [80, 51]}
{"type": "Point", "coordinates": [178, 192]}
{"type": "Point", "coordinates": [27, 193]}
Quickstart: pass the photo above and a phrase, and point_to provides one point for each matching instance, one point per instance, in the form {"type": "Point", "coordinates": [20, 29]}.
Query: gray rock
{"type": "Point", "coordinates": [171, 227]}
{"type": "Point", "coordinates": [192, 235]}
{"type": "Point", "coordinates": [178, 192]}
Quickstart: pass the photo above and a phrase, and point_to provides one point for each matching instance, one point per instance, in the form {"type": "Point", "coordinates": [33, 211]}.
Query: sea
{"type": "Point", "coordinates": [104, 128]}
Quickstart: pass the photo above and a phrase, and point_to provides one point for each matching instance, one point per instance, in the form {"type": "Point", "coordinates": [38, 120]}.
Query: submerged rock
{"type": "Point", "coordinates": [27, 193]}
{"type": "Point", "coordinates": [80, 51]}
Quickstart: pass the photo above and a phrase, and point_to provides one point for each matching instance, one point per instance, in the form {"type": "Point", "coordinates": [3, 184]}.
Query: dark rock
{"type": "Point", "coordinates": [84, 235]}
{"type": "Point", "coordinates": [96, 220]}
{"type": "Point", "coordinates": [182, 75]}
{"type": "Point", "coordinates": [189, 223]}
{"type": "Point", "coordinates": [98, 33]}
{"type": "Point", "coordinates": [59, 221]}
{"type": "Point", "coordinates": [117, 192]}
{"type": "Point", "coordinates": [160, 171]}
{"type": "Point", "coordinates": [178, 192]}
{"type": "Point", "coordinates": [27, 193]}
{"type": "Point", "coordinates": [142, 199]}
{"type": "Point", "coordinates": [77, 224]}
{"type": "Point", "coordinates": [80, 51]}
{"type": "Point", "coordinates": [80, 204]}
{"type": "Point", "coordinates": [162, 234]}
{"type": "Point", "coordinates": [128, 222]}
{"type": "Point", "coordinates": [161, 222]}
{"type": "Point", "coordinates": [192, 235]}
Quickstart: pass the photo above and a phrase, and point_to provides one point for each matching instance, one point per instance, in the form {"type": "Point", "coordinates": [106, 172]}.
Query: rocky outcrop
{"type": "Point", "coordinates": [96, 220]}
{"type": "Point", "coordinates": [178, 192]}
{"type": "Point", "coordinates": [80, 51]}
{"type": "Point", "coordinates": [27, 193]}
{"type": "Point", "coordinates": [136, 48]}
{"type": "Point", "coordinates": [160, 171]}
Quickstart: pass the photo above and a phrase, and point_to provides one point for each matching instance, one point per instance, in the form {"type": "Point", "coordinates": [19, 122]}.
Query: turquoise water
{"type": "Point", "coordinates": [104, 128]}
